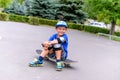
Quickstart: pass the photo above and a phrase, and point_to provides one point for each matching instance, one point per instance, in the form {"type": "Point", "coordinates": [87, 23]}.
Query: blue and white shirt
{"type": "Point", "coordinates": [64, 44]}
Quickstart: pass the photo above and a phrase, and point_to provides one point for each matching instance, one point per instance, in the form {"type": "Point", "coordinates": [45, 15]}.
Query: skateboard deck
{"type": "Point", "coordinates": [66, 63]}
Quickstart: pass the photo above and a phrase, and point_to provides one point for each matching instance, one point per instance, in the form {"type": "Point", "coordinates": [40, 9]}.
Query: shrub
{"type": "Point", "coordinates": [33, 20]}
{"type": "Point", "coordinates": [18, 18]}
{"type": "Point", "coordinates": [25, 19]}
{"type": "Point", "coordinates": [116, 38]}
{"type": "Point", "coordinates": [51, 22]}
{"type": "Point", "coordinates": [117, 33]}
{"type": "Point", "coordinates": [38, 21]}
{"type": "Point", "coordinates": [47, 22]}
{"type": "Point", "coordinates": [96, 29]}
{"type": "Point", "coordinates": [76, 26]}
{"type": "Point", "coordinates": [11, 17]}
{"type": "Point", "coordinates": [3, 16]}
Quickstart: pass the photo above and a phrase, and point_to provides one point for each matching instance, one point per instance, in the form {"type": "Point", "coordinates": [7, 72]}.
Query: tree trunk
{"type": "Point", "coordinates": [112, 29]}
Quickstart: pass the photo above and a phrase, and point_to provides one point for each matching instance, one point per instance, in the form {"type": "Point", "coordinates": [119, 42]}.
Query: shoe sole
{"type": "Point", "coordinates": [37, 65]}
{"type": "Point", "coordinates": [58, 69]}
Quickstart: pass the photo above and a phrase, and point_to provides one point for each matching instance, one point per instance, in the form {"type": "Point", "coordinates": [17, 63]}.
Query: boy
{"type": "Point", "coordinates": [56, 46]}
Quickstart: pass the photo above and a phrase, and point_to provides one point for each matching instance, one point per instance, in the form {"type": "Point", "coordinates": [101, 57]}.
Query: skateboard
{"type": "Point", "coordinates": [65, 63]}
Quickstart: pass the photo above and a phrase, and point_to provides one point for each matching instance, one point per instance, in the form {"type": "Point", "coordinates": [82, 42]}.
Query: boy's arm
{"type": "Point", "coordinates": [55, 41]}
{"type": "Point", "coordinates": [58, 40]}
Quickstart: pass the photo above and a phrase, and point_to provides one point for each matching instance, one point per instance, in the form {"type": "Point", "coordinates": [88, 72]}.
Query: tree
{"type": "Point", "coordinates": [14, 8]}
{"type": "Point", "coordinates": [27, 6]}
{"type": "Point", "coordinates": [105, 10]}
{"type": "Point", "coordinates": [4, 3]}
{"type": "Point", "coordinates": [71, 10]}
{"type": "Point", "coordinates": [21, 1]}
{"type": "Point", "coordinates": [61, 9]}
{"type": "Point", "coordinates": [41, 8]}
{"type": "Point", "coordinates": [111, 10]}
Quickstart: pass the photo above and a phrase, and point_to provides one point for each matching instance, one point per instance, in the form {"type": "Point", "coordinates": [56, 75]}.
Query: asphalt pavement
{"type": "Point", "coordinates": [98, 58]}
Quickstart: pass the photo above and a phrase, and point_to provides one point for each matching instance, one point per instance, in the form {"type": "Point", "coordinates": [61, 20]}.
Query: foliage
{"type": "Point", "coordinates": [38, 21]}
{"type": "Point", "coordinates": [96, 29]}
{"type": "Point", "coordinates": [76, 26]}
{"type": "Point", "coordinates": [118, 21]}
{"type": "Point", "coordinates": [3, 16]}
{"type": "Point", "coordinates": [116, 38]}
{"type": "Point", "coordinates": [18, 18]}
{"type": "Point", "coordinates": [27, 6]}
{"type": "Point", "coordinates": [105, 10]}
{"type": "Point", "coordinates": [47, 22]}
{"type": "Point", "coordinates": [5, 3]}
{"type": "Point", "coordinates": [21, 1]}
{"type": "Point", "coordinates": [34, 20]}
{"type": "Point", "coordinates": [117, 33]}
{"type": "Point", "coordinates": [71, 10]}
{"type": "Point", "coordinates": [41, 8]}
{"type": "Point", "coordinates": [102, 10]}
{"type": "Point", "coordinates": [15, 8]}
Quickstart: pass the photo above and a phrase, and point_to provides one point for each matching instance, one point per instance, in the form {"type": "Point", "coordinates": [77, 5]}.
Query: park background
{"type": "Point", "coordinates": [76, 12]}
{"type": "Point", "coordinates": [98, 57]}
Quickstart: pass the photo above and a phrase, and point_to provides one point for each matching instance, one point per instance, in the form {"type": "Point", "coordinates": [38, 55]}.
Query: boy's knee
{"type": "Point", "coordinates": [57, 47]}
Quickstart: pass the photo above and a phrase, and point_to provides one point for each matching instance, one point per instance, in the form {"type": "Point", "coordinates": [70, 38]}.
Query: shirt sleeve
{"type": "Point", "coordinates": [51, 38]}
{"type": "Point", "coordinates": [66, 38]}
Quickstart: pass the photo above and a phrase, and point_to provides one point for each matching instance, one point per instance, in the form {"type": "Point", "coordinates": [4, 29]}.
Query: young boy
{"type": "Point", "coordinates": [55, 47]}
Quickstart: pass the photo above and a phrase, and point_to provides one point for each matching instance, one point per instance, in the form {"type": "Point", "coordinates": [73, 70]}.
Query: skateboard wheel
{"type": "Point", "coordinates": [66, 65]}
{"type": "Point", "coordinates": [46, 58]}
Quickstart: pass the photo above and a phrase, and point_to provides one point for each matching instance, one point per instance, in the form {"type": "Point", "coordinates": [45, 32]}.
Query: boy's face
{"type": "Point", "coordinates": [61, 30]}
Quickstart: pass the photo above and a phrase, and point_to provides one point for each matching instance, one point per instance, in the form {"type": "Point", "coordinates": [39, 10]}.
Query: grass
{"type": "Point", "coordinates": [116, 38]}
{"type": "Point", "coordinates": [111, 37]}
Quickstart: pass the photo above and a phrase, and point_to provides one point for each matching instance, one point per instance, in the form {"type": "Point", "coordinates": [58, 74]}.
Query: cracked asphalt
{"type": "Point", "coordinates": [98, 58]}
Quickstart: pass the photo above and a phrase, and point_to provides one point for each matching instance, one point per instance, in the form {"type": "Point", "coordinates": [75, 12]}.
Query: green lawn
{"type": "Point", "coordinates": [111, 37]}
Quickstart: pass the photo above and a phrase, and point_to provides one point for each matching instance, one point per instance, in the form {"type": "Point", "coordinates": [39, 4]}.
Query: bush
{"type": "Point", "coordinates": [25, 19]}
{"type": "Point", "coordinates": [11, 17]}
{"type": "Point", "coordinates": [51, 22]}
{"type": "Point", "coordinates": [117, 33]}
{"type": "Point", "coordinates": [18, 18]}
{"type": "Point", "coordinates": [96, 29]}
{"type": "Point", "coordinates": [47, 22]}
{"type": "Point", "coordinates": [116, 38]}
{"type": "Point", "coordinates": [76, 26]}
{"type": "Point", "coordinates": [3, 16]}
{"type": "Point", "coordinates": [33, 20]}
{"type": "Point", "coordinates": [38, 21]}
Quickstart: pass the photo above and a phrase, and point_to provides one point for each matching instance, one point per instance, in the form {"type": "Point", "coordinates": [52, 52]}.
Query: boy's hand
{"type": "Point", "coordinates": [46, 44]}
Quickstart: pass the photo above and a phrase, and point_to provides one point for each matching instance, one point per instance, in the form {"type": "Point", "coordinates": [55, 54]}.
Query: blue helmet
{"type": "Point", "coordinates": [61, 23]}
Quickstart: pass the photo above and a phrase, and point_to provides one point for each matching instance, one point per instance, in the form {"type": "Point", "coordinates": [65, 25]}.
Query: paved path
{"type": "Point", "coordinates": [99, 58]}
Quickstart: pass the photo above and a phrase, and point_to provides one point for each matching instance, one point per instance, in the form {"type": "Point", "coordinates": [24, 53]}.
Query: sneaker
{"type": "Point", "coordinates": [36, 63]}
{"type": "Point", "coordinates": [59, 66]}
